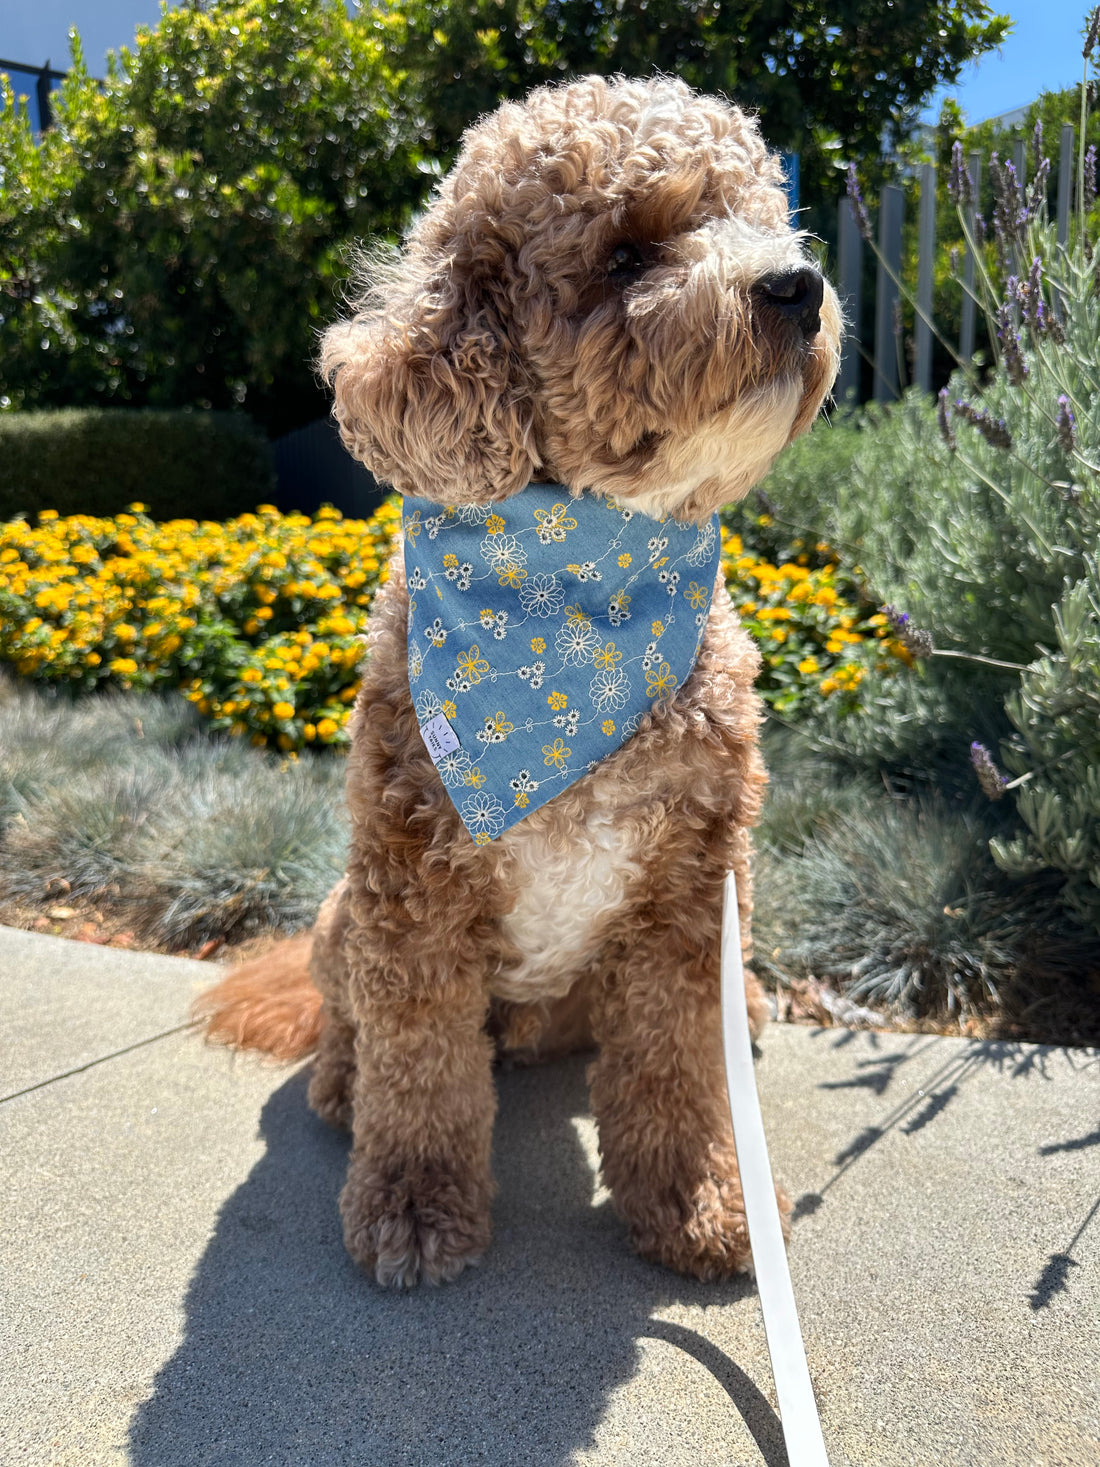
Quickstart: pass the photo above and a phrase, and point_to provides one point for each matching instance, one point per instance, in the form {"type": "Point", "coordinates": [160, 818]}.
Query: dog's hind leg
{"type": "Point", "coordinates": [658, 1087]}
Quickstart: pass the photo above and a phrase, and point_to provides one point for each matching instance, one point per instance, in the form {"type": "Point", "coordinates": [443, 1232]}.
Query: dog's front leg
{"type": "Point", "coordinates": [658, 1092]}
{"type": "Point", "coordinates": [416, 1201]}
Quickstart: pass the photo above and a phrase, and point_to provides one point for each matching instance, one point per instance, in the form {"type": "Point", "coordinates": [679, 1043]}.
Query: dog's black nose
{"type": "Point", "coordinates": [797, 294]}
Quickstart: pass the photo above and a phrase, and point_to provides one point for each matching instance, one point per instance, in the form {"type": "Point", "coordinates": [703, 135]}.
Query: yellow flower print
{"type": "Point", "coordinates": [557, 700]}
{"type": "Point", "coordinates": [511, 575]}
{"type": "Point", "coordinates": [523, 800]}
{"type": "Point", "coordinates": [413, 526]}
{"type": "Point", "coordinates": [606, 656]}
{"type": "Point", "coordinates": [555, 753]}
{"type": "Point", "coordinates": [625, 559]}
{"type": "Point", "coordinates": [482, 838]}
{"type": "Point", "coordinates": [450, 560]}
{"type": "Point", "coordinates": [471, 664]}
{"type": "Point", "coordinates": [494, 524]}
{"type": "Point", "coordinates": [577, 613]}
{"type": "Point", "coordinates": [449, 709]}
{"type": "Point", "coordinates": [696, 596]}
{"type": "Point", "coordinates": [658, 629]}
{"type": "Point", "coordinates": [538, 644]}
{"type": "Point", "coordinates": [553, 524]}
{"type": "Point", "coordinates": [475, 777]}
{"type": "Point", "coordinates": [661, 683]}
{"type": "Point", "coordinates": [608, 726]}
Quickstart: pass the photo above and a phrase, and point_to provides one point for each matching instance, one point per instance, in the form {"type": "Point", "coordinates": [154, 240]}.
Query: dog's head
{"type": "Point", "coordinates": [606, 293]}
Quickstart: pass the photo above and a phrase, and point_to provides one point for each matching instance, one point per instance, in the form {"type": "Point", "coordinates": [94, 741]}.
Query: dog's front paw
{"type": "Point", "coordinates": [704, 1234]}
{"type": "Point", "coordinates": [419, 1225]}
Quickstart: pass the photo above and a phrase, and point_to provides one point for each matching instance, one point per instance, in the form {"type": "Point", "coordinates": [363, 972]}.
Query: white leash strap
{"type": "Point", "coordinates": [797, 1407]}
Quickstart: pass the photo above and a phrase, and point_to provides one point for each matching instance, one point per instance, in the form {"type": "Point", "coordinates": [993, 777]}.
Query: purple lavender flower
{"type": "Point", "coordinates": [1030, 295]}
{"type": "Point", "coordinates": [1089, 195]}
{"type": "Point", "coordinates": [947, 433]}
{"type": "Point", "coordinates": [915, 641]}
{"type": "Point", "coordinates": [859, 209]}
{"type": "Point", "coordinates": [993, 430]}
{"type": "Point", "coordinates": [958, 183]}
{"type": "Point", "coordinates": [1093, 22]}
{"type": "Point", "coordinates": [1066, 425]}
{"type": "Point", "coordinates": [1037, 188]}
{"type": "Point", "coordinates": [992, 781]}
{"type": "Point", "coordinates": [1011, 355]}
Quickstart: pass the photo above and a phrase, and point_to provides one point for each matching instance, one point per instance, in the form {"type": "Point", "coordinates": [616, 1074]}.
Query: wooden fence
{"type": "Point", "coordinates": [883, 343]}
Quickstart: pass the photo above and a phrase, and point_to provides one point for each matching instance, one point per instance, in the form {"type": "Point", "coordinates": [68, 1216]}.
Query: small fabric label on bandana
{"type": "Point", "coordinates": [439, 738]}
{"type": "Point", "coordinates": [541, 630]}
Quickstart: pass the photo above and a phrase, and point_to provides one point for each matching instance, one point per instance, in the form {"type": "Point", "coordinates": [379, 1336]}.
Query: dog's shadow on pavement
{"type": "Point", "coordinates": [291, 1356]}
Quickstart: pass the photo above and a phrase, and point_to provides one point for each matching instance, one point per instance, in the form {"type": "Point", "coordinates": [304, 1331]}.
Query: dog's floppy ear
{"type": "Point", "coordinates": [432, 398]}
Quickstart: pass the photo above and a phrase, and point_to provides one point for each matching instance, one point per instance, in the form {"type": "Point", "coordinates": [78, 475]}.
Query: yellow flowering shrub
{"type": "Point", "coordinates": [259, 619]}
{"type": "Point", "coordinates": [817, 630]}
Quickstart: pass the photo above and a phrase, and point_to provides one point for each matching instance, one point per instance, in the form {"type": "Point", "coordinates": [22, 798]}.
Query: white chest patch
{"type": "Point", "coordinates": [567, 889]}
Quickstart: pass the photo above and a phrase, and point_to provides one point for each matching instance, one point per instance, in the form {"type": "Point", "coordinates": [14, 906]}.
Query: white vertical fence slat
{"type": "Point", "coordinates": [926, 259]}
{"type": "Point", "coordinates": [850, 272]}
{"type": "Point", "coordinates": [891, 216]}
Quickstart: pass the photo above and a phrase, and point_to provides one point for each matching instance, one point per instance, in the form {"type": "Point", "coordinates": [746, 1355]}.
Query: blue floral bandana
{"type": "Point", "coordinates": [541, 628]}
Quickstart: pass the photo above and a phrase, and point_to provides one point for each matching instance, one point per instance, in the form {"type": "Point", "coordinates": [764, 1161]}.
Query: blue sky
{"type": "Point", "coordinates": [1043, 53]}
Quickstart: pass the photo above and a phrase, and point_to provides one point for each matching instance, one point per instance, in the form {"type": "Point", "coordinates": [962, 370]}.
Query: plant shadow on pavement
{"type": "Point", "coordinates": [940, 1085]}
{"type": "Point", "coordinates": [291, 1356]}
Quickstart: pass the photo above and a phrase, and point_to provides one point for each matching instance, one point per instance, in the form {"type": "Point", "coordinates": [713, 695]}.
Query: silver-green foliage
{"type": "Point", "coordinates": [126, 802]}
{"type": "Point", "coordinates": [1056, 713]}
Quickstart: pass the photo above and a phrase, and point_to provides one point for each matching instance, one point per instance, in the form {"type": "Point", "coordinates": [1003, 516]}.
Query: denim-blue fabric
{"type": "Point", "coordinates": [541, 629]}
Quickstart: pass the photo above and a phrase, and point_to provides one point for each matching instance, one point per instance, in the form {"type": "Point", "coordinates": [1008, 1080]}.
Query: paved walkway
{"type": "Point", "coordinates": [174, 1292]}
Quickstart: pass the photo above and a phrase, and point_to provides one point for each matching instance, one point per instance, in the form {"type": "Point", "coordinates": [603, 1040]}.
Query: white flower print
{"type": "Point", "coordinates": [532, 674]}
{"type": "Point", "coordinates": [434, 525]}
{"type": "Point", "coordinates": [416, 580]}
{"type": "Point", "coordinates": [586, 571]}
{"type": "Point", "coordinates": [502, 550]}
{"type": "Point", "coordinates": [650, 657]}
{"type": "Point", "coordinates": [473, 514]}
{"type": "Point", "coordinates": [542, 596]}
{"type": "Point", "coordinates": [575, 642]}
{"type": "Point", "coordinates": [700, 552]}
{"type": "Point", "coordinates": [428, 706]}
{"type": "Point", "coordinates": [416, 664]}
{"type": "Point", "coordinates": [436, 633]}
{"type": "Point", "coordinates": [609, 689]}
{"type": "Point", "coordinates": [657, 547]}
{"type": "Point", "coordinates": [483, 814]}
{"type": "Point", "coordinates": [617, 611]}
{"type": "Point", "coordinates": [569, 721]}
{"type": "Point", "coordinates": [454, 767]}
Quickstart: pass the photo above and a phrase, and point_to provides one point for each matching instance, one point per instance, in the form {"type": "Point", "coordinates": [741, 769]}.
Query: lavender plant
{"type": "Point", "coordinates": [978, 518]}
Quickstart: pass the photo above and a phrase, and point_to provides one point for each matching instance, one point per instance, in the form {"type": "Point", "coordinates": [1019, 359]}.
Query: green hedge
{"type": "Point", "coordinates": [189, 465]}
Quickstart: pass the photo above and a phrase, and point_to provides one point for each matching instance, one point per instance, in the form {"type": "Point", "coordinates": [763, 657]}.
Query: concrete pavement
{"type": "Point", "coordinates": [174, 1291]}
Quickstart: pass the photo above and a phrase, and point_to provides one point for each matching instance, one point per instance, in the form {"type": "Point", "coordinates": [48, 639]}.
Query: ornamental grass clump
{"type": "Point", "coordinates": [124, 804]}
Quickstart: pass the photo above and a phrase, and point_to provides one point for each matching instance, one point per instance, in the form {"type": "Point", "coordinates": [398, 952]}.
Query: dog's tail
{"type": "Point", "coordinates": [270, 1004]}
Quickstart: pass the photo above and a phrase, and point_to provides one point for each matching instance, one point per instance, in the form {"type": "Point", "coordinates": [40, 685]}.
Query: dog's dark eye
{"type": "Point", "coordinates": [625, 260]}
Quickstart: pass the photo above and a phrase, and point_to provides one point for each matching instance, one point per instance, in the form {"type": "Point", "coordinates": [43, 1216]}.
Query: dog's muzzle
{"type": "Point", "coordinates": [797, 296]}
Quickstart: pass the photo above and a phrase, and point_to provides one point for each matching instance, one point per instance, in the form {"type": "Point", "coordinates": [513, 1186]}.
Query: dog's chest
{"type": "Point", "coordinates": [570, 882]}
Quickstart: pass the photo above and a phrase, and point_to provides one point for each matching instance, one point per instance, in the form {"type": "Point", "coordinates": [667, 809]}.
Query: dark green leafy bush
{"type": "Point", "coordinates": [97, 461]}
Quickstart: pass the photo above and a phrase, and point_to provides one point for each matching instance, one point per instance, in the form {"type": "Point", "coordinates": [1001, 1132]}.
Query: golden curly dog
{"type": "Point", "coordinates": [605, 293]}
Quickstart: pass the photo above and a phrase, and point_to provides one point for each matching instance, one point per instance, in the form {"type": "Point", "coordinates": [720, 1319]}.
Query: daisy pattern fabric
{"type": "Point", "coordinates": [541, 629]}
